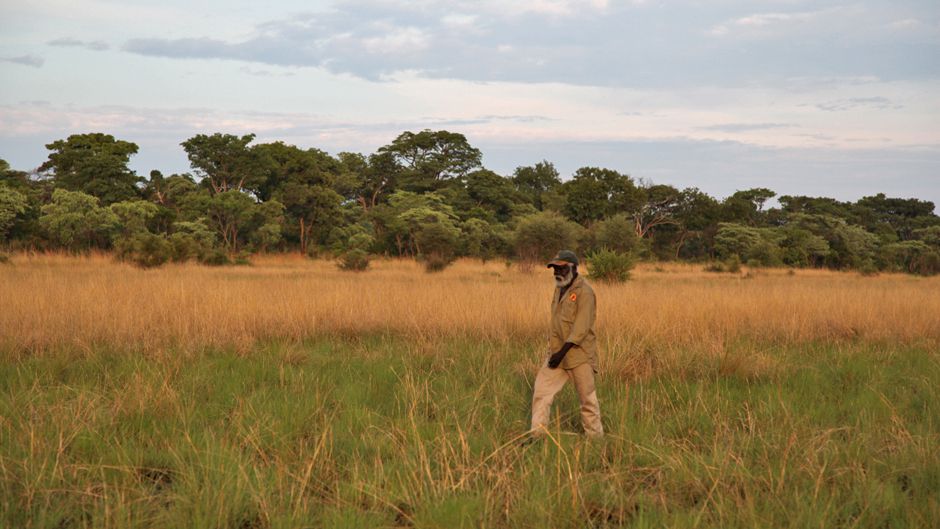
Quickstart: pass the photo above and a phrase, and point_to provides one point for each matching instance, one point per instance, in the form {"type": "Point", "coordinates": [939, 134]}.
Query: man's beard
{"type": "Point", "coordinates": [564, 277]}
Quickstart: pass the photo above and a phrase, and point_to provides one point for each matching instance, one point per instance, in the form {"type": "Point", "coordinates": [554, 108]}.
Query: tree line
{"type": "Point", "coordinates": [427, 195]}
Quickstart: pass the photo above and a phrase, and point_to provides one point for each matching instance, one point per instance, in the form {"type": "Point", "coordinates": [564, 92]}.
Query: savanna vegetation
{"type": "Point", "coordinates": [426, 195]}
{"type": "Point", "coordinates": [293, 393]}
{"type": "Point", "coordinates": [141, 388]}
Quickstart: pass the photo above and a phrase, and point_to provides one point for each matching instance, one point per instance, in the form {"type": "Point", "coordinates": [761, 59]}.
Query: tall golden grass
{"type": "Point", "coordinates": [55, 301]}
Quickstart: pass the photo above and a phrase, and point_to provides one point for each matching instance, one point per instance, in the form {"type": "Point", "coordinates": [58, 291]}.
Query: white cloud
{"type": "Point", "coordinates": [397, 40]}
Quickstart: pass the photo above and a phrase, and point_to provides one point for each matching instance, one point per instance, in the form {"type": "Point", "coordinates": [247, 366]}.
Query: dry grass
{"type": "Point", "coordinates": [54, 302]}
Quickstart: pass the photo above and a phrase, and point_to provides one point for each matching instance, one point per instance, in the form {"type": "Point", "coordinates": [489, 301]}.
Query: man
{"type": "Point", "coordinates": [572, 347]}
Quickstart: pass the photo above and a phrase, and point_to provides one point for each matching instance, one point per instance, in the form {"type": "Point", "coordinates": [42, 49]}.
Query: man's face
{"type": "Point", "coordinates": [563, 274]}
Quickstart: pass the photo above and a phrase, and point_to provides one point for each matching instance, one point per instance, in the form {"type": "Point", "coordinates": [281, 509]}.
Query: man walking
{"type": "Point", "coordinates": [572, 347]}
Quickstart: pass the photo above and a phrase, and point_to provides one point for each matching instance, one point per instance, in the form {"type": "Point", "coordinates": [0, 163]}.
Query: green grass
{"type": "Point", "coordinates": [383, 432]}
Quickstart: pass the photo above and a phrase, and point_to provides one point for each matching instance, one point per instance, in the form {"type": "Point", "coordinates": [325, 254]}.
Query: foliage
{"type": "Point", "coordinates": [356, 256]}
{"type": "Point", "coordinates": [225, 161]}
{"type": "Point", "coordinates": [144, 249]}
{"type": "Point", "coordinates": [75, 221]}
{"type": "Point", "coordinates": [429, 189]}
{"type": "Point", "coordinates": [536, 181]}
{"type": "Point", "coordinates": [760, 246]}
{"type": "Point", "coordinates": [615, 233]}
{"type": "Point", "coordinates": [13, 204]}
{"type": "Point", "coordinates": [426, 159]}
{"type": "Point", "coordinates": [192, 240]}
{"type": "Point", "coordinates": [915, 257]}
{"type": "Point", "coordinates": [540, 236]}
{"type": "Point", "coordinates": [95, 164]}
{"type": "Point", "coordinates": [436, 239]}
{"type": "Point", "coordinates": [610, 266]}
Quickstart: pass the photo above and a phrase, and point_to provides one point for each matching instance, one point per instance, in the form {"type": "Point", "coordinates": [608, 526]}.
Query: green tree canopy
{"type": "Point", "coordinates": [226, 161]}
{"type": "Point", "coordinates": [95, 164]}
{"type": "Point", "coordinates": [427, 159]}
{"type": "Point", "coordinates": [77, 222]}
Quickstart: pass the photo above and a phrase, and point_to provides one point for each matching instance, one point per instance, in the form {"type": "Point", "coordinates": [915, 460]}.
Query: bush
{"type": "Point", "coordinates": [539, 237]}
{"type": "Point", "coordinates": [438, 243]}
{"type": "Point", "coordinates": [355, 261]}
{"type": "Point", "coordinates": [215, 257]}
{"type": "Point", "coordinates": [145, 250]}
{"type": "Point", "coordinates": [610, 266]}
{"type": "Point", "coordinates": [732, 265]}
{"type": "Point", "coordinates": [868, 268]}
{"type": "Point", "coordinates": [356, 256]}
{"type": "Point", "coordinates": [191, 240]}
{"type": "Point", "coordinates": [4, 258]}
{"type": "Point", "coordinates": [616, 233]}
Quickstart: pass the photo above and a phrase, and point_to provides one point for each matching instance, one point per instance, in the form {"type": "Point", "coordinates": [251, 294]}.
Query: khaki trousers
{"type": "Point", "coordinates": [549, 381]}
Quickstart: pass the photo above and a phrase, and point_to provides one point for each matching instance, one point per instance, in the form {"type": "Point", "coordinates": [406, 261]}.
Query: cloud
{"type": "Point", "coordinates": [582, 42]}
{"type": "Point", "coordinates": [26, 60]}
{"type": "Point", "coordinates": [93, 45]}
{"type": "Point", "coordinates": [852, 103]}
{"type": "Point", "coordinates": [746, 127]}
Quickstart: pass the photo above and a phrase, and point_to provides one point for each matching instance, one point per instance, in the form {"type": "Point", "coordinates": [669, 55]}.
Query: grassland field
{"type": "Point", "coordinates": [290, 394]}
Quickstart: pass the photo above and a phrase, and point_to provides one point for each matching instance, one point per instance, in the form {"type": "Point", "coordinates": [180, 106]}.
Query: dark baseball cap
{"type": "Point", "coordinates": [564, 257]}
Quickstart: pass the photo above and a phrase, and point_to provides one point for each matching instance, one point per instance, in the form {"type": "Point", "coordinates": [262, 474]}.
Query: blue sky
{"type": "Point", "coordinates": [822, 98]}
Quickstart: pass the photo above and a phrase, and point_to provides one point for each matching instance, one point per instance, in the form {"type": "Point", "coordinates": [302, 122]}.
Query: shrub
{"type": "Point", "coordinates": [215, 257]}
{"type": "Point", "coordinates": [191, 240]}
{"type": "Point", "coordinates": [868, 268]}
{"type": "Point", "coordinates": [733, 264]}
{"type": "Point", "coordinates": [356, 256]}
{"type": "Point", "coordinates": [616, 233]}
{"type": "Point", "coordinates": [243, 258]}
{"type": "Point", "coordinates": [438, 243]}
{"type": "Point", "coordinates": [145, 249]}
{"type": "Point", "coordinates": [539, 237]}
{"type": "Point", "coordinates": [354, 260]}
{"type": "Point", "coordinates": [4, 258]}
{"type": "Point", "coordinates": [610, 266]}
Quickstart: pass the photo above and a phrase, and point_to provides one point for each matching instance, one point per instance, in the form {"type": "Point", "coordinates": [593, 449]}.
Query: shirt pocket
{"type": "Point", "coordinates": [568, 312]}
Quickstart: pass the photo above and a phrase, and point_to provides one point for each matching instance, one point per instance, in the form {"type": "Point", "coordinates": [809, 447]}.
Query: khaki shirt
{"type": "Point", "coordinates": [573, 321]}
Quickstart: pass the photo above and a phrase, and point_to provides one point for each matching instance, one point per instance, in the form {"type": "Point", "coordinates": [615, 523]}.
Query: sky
{"type": "Point", "coordinates": [821, 98]}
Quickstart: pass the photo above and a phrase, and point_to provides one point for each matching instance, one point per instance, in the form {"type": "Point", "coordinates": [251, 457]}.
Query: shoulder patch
{"type": "Point", "coordinates": [573, 296]}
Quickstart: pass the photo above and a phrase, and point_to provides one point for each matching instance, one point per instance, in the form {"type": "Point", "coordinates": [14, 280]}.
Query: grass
{"type": "Point", "coordinates": [718, 419]}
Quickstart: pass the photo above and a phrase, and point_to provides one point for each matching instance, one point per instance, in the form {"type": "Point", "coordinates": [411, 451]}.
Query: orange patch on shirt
{"type": "Point", "coordinates": [573, 296]}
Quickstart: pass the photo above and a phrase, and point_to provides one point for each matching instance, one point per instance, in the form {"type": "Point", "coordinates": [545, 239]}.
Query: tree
{"type": "Point", "coordinates": [427, 159]}
{"type": "Point", "coordinates": [696, 218]}
{"type": "Point", "coordinates": [312, 208]}
{"type": "Point", "coordinates": [12, 205]}
{"type": "Point", "coordinates": [615, 234]}
{"type": "Point", "coordinates": [658, 207]}
{"type": "Point", "coordinates": [534, 181]}
{"type": "Point", "coordinates": [483, 194]}
{"type": "Point", "coordinates": [903, 215]}
{"type": "Point", "coordinates": [133, 215]}
{"type": "Point", "coordinates": [750, 244]}
{"type": "Point", "coordinates": [281, 164]}
{"type": "Point", "coordinates": [482, 239]}
{"type": "Point", "coordinates": [540, 236]}
{"type": "Point", "coordinates": [594, 193]}
{"type": "Point", "coordinates": [95, 164]}
{"type": "Point", "coordinates": [225, 161]}
{"type": "Point", "coordinates": [746, 206]}
{"type": "Point", "coordinates": [229, 212]}
{"type": "Point", "coordinates": [303, 182]}
{"type": "Point", "coordinates": [373, 178]}
{"type": "Point", "coordinates": [76, 222]}
{"type": "Point", "coordinates": [800, 247]}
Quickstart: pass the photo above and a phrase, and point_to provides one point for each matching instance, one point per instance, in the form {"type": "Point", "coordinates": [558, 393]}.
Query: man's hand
{"type": "Point", "coordinates": [556, 358]}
